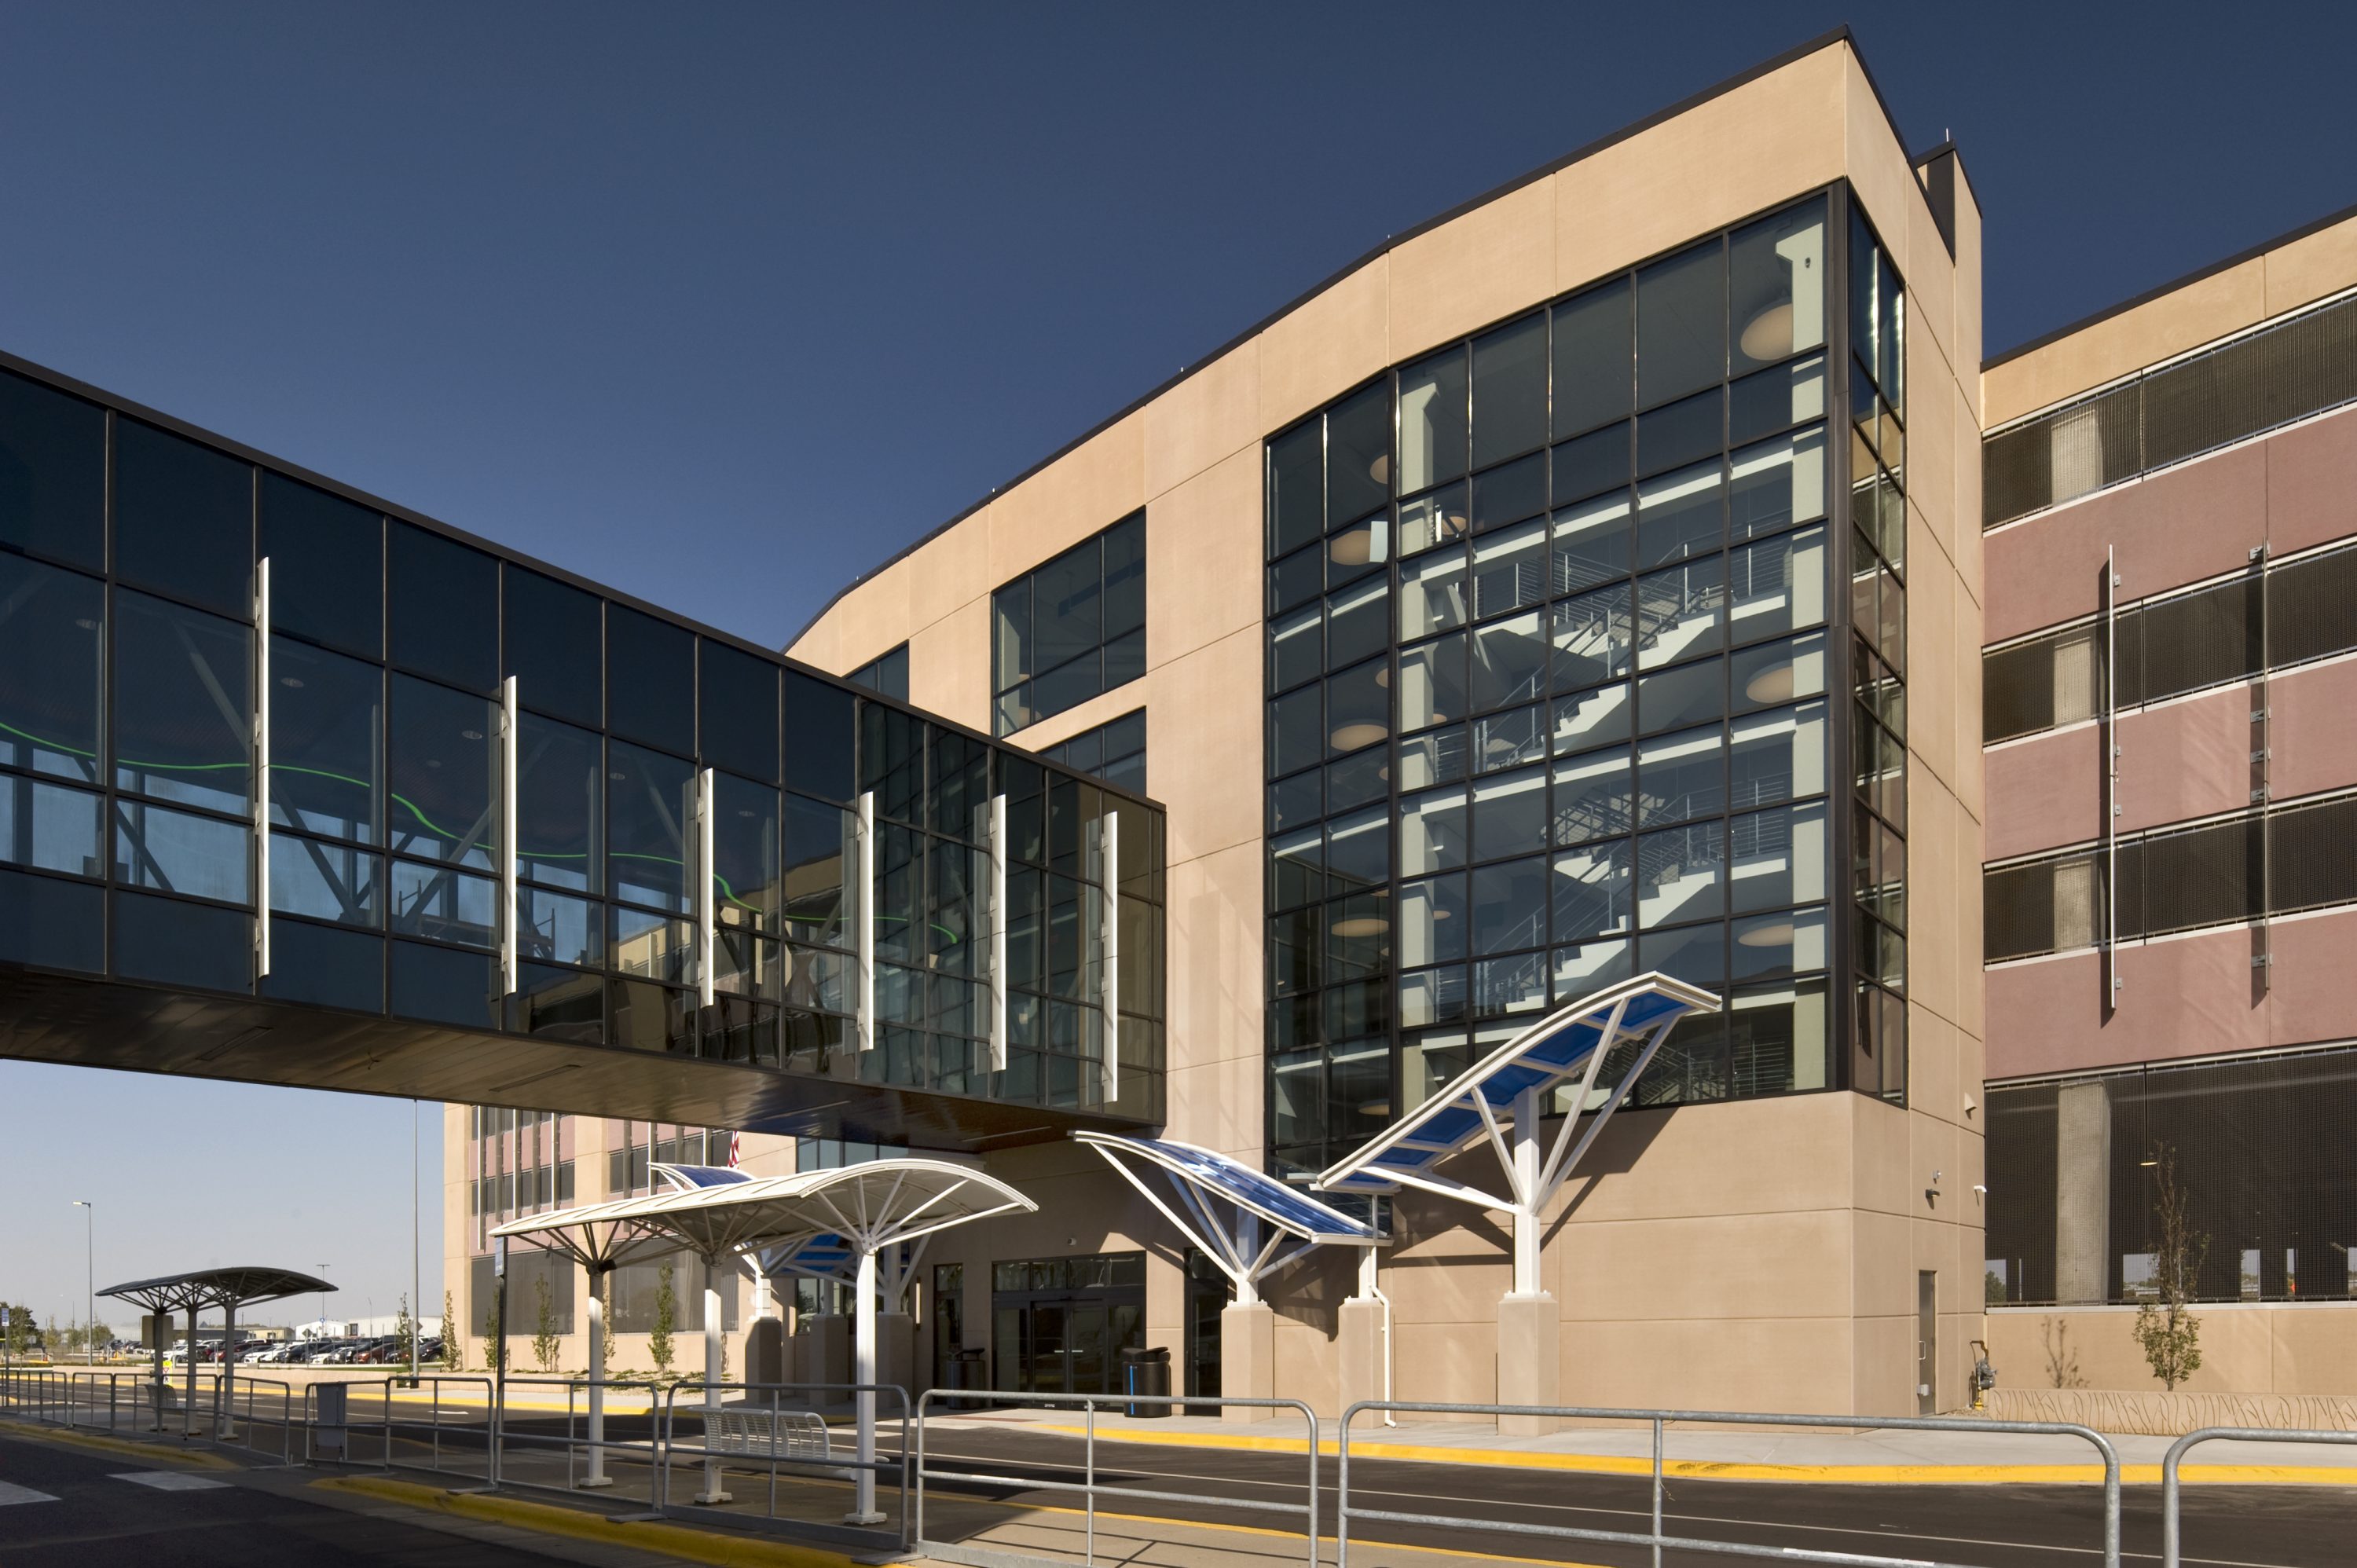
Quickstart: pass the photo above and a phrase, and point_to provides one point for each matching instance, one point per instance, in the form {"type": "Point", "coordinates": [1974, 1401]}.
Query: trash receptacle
{"type": "Point", "coordinates": [964, 1371]}
{"type": "Point", "coordinates": [1147, 1371]}
{"type": "Point", "coordinates": [328, 1428]}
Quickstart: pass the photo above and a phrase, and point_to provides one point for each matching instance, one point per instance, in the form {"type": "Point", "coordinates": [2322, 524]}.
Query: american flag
{"type": "Point", "coordinates": [736, 1150]}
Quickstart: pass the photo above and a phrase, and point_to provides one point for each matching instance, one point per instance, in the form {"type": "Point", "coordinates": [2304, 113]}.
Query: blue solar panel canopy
{"type": "Point", "coordinates": [683, 1177]}
{"type": "Point", "coordinates": [1289, 1209]}
{"type": "Point", "coordinates": [1571, 1043]}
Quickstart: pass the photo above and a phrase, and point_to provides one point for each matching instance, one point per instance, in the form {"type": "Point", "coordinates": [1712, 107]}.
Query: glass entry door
{"type": "Point", "coordinates": [1058, 1325]}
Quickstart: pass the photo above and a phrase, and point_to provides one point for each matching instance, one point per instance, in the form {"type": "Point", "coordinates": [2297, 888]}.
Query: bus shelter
{"type": "Point", "coordinates": [228, 1289]}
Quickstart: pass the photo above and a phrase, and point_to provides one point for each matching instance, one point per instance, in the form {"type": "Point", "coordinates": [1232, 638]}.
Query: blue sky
{"type": "Point", "coordinates": [725, 303]}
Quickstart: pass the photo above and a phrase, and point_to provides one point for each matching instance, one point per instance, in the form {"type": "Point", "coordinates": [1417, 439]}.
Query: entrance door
{"type": "Point", "coordinates": [1060, 1324]}
{"type": "Point", "coordinates": [1207, 1296]}
{"type": "Point", "coordinates": [1927, 1343]}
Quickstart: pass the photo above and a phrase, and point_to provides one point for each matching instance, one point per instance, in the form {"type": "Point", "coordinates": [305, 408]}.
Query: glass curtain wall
{"type": "Point", "coordinates": [128, 791]}
{"type": "Point", "coordinates": [1065, 631]}
{"type": "Point", "coordinates": [1555, 661]}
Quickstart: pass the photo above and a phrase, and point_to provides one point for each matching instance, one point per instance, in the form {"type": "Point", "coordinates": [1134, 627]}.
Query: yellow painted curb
{"type": "Point", "coordinates": [695, 1545]}
{"type": "Point", "coordinates": [1718, 1470]}
{"type": "Point", "coordinates": [196, 1458]}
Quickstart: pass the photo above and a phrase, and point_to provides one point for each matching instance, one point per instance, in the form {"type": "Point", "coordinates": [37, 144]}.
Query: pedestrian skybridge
{"type": "Point", "coordinates": [298, 787]}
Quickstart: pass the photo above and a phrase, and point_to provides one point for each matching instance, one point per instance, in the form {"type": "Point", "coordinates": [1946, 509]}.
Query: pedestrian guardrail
{"type": "Point", "coordinates": [585, 1442]}
{"type": "Point", "coordinates": [782, 1414]}
{"type": "Point", "coordinates": [1657, 1539]}
{"type": "Point", "coordinates": [2171, 1461]}
{"type": "Point", "coordinates": [1089, 1487]}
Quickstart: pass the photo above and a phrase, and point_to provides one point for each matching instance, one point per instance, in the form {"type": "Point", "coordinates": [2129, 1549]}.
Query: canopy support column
{"type": "Point", "coordinates": [189, 1407]}
{"type": "Point", "coordinates": [498, 1351]}
{"type": "Point", "coordinates": [596, 1475]}
{"type": "Point", "coordinates": [162, 1321]}
{"type": "Point", "coordinates": [863, 1373]}
{"type": "Point", "coordinates": [712, 1492]}
{"type": "Point", "coordinates": [1527, 1197]}
{"type": "Point", "coordinates": [225, 1402]}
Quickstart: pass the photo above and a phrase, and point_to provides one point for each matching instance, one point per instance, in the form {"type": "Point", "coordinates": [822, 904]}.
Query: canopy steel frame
{"type": "Point", "coordinates": [1505, 1095]}
{"type": "Point", "coordinates": [1201, 1181]}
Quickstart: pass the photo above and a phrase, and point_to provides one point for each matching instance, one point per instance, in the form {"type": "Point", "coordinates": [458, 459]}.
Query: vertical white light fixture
{"type": "Point", "coordinates": [1109, 945]}
{"type": "Point", "coordinates": [262, 767]}
{"type": "Point", "coordinates": [996, 913]}
{"type": "Point", "coordinates": [509, 943]}
{"type": "Point", "coordinates": [708, 932]}
{"type": "Point", "coordinates": [866, 918]}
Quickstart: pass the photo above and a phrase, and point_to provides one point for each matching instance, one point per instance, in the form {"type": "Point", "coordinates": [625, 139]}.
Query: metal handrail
{"type": "Point", "coordinates": [2178, 1450]}
{"type": "Point", "coordinates": [498, 1435]}
{"type": "Point", "coordinates": [1087, 1486]}
{"type": "Point", "coordinates": [1344, 1513]}
{"type": "Point", "coordinates": [666, 1443]}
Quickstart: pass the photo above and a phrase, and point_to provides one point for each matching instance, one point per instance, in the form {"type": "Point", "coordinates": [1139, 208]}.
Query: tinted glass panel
{"type": "Point", "coordinates": [653, 799]}
{"type": "Point", "coordinates": [445, 985]}
{"type": "Point", "coordinates": [1297, 507]}
{"type": "Point", "coordinates": [1777, 285]}
{"type": "Point", "coordinates": [326, 566]}
{"type": "Point", "coordinates": [170, 942]}
{"type": "Point", "coordinates": [325, 968]}
{"type": "Point", "coordinates": [51, 628]}
{"type": "Point", "coordinates": [325, 882]}
{"type": "Point", "coordinates": [819, 735]}
{"type": "Point", "coordinates": [445, 774]}
{"type": "Point", "coordinates": [560, 782]}
{"type": "Point", "coordinates": [554, 647]}
{"type": "Point", "coordinates": [744, 853]}
{"type": "Point", "coordinates": [54, 924]}
{"type": "Point", "coordinates": [444, 604]}
{"type": "Point", "coordinates": [327, 717]}
{"type": "Point", "coordinates": [182, 681]}
{"type": "Point", "coordinates": [1359, 455]}
{"type": "Point", "coordinates": [183, 518]}
{"type": "Point", "coordinates": [1432, 421]}
{"type": "Point", "coordinates": [48, 826]}
{"type": "Point", "coordinates": [52, 472]}
{"type": "Point", "coordinates": [1510, 390]}
{"type": "Point", "coordinates": [738, 698]}
{"type": "Point", "coordinates": [1681, 324]}
{"type": "Point", "coordinates": [1592, 350]}
{"type": "Point", "coordinates": [650, 680]}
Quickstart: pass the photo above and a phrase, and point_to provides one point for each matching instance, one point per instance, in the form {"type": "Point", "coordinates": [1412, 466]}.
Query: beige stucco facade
{"type": "Point", "coordinates": [1759, 1255]}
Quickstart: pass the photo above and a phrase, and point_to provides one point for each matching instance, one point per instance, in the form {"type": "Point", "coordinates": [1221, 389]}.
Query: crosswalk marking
{"type": "Point", "coordinates": [168, 1480]}
{"type": "Point", "coordinates": [11, 1494]}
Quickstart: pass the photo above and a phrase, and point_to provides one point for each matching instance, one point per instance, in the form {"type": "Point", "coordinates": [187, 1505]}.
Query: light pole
{"type": "Point", "coordinates": [89, 1280]}
{"type": "Point", "coordinates": [323, 1303]}
{"type": "Point", "coordinates": [417, 1277]}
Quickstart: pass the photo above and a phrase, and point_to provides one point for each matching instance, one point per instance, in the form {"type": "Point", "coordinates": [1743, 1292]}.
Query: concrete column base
{"type": "Point", "coordinates": [1530, 1361]}
{"type": "Point", "coordinates": [896, 1362]}
{"type": "Point", "coordinates": [1360, 1342]}
{"type": "Point", "coordinates": [1248, 1358]}
{"type": "Point", "coordinates": [765, 1351]}
{"type": "Point", "coordinates": [825, 1345]}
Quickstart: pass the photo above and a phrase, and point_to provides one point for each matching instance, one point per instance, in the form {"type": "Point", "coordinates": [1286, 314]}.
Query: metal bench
{"type": "Point", "coordinates": [765, 1433]}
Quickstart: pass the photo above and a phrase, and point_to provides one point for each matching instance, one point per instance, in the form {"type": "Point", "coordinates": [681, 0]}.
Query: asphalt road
{"type": "Point", "coordinates": [1998, 1525]}
{"type": "Point", "coordinates": [87, 1515]}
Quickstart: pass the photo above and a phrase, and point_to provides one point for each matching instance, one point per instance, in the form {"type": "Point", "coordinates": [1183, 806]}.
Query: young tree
{"type": "Point", "coordinates": [605, 1305]}
{"type": "Point", "coordinates": [454, 1349]}
{"type": "Point", "coordinates": [405, 1331]}
{"type": "Point", "coordinates": [2166, 1328]}
{"type": "Point", "coordinates": [491, 1359]}
{"type": "Point", "coordinates": [545, 1328]}
{"type": "Point", "coordinates": [666, 1316]}
{"type": "Point", "coordinates": [2061, 1361]}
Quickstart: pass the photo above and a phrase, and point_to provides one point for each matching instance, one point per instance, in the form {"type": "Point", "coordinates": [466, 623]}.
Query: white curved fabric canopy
{"type": "Point", "coordinates": [870, 1207]}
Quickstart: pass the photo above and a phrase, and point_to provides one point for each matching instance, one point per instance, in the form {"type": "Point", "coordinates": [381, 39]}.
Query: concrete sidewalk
{"type": "Point", "coordinates": [1865, 1455]}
